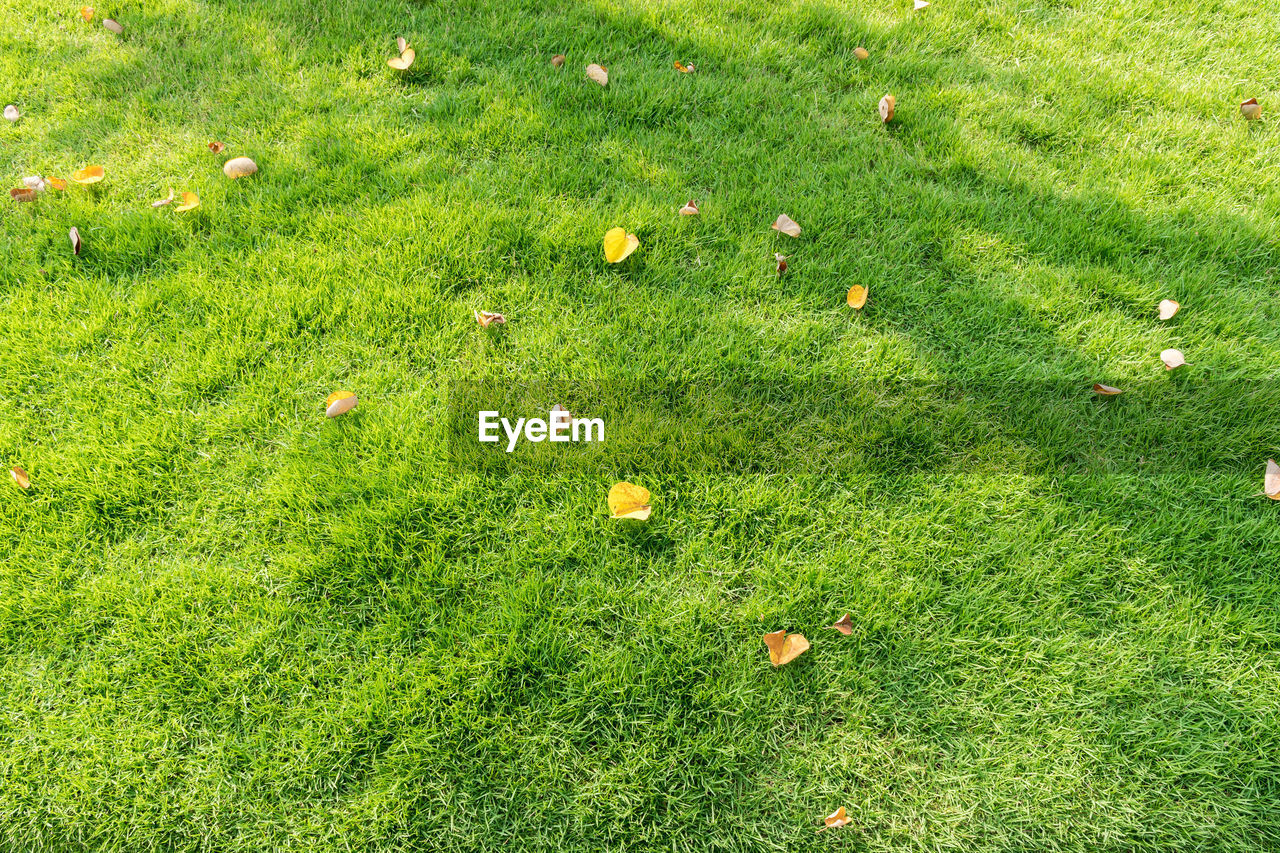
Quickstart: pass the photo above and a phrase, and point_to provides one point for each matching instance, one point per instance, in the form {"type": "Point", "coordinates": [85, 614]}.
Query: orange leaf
{"type": "Point", "coordinates": [74, 235]}
{"type": "Point", "coordinates": [190, 201]}
{"type": "Point", "coordinates": [56, 183]}
{"type": "Point", "coordinates": [86, 12]}
{"type": "Point", "coordinates": [857, 296]}
{"type": "Point", "coordinates": [1271, 480]}
{"type": "Point", "coordinates": [404, 60]}
{"type": "Point", "coordinates": [627, 500]}
{"type": "Point", "coordinates": [239, 167]}
{"type": "Point", "coordinates": [784, 647]}
{"type": "Point", "coordinates": [598, 73]}
{"type": "Point", "coordinates": [558, 60]}
{"type": "Point", "coordinates": [860, 53]}
{"type": "Point", "coordinates": [216, 147]}
{"type": "Point", "coordinates": [1168, 308]}
{"type": "Point", "coordinates": [20, 477]}
{"type": "Point", "coordinates": [618, 245]}
{"type": "Point", "coordinates": [1105, 390]}
{"type": "Point", "coordinates": [690, 209]}
{"type": "Point", "coordinates": [887, 103]}
{"type": "Point", "coordinates": [837, 819]}
{"type": "Point", "coordinates": [684, 69]}
{"type": "Point", "coordinates": [1250, 109]}
{"type": "Point", "coordinates": [113, 26]}
{"type": "Point", "coordinates": [786, 225]}
{"type": "Point", "coordinates": [844, 626]}
{"type": "Point", "coordinates": [339, 403]}
{"type": "Point", "coordinates": [488, 318]}
{"type": "Point", "coordinates": [88, 175]}
{"type": "Point", "coordinates": [1172, 358]}
{"type": "Point", "coordinates": [23, 194]}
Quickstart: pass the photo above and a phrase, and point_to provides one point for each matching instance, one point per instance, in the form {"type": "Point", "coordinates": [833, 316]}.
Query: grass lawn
{"type": "Point", "coordinates": [230, 624]}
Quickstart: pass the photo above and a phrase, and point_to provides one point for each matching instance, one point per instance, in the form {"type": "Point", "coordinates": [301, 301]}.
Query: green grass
{"type": "Point", "coordinates": [228, 624]}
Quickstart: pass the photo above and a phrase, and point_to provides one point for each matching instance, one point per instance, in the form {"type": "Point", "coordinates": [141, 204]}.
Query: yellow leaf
{"type": "Point", "coordinates": [844, 626]}
{"type": "Point", "coordinates": [887, 103]}
{"type": "Point", "coordinates": [86, 12]}
{"type": "Point", "coordinates": [339, 403]}
{"type": "Point", "coordinates": [837, 819]}
{"type": "Point", "coordinates": [860, 53]}
{"type": "Point", "coordinates": [23, 194]}
{"type": "Point", "coordinates": [1251, 110]}
{"type": "Point", "coordinates": [786, 225]}
{"type": "Point", "coordinates": [239, 167]}
{"type": "Point", "coordinates": [190, 201]}
{"type": "Point", "coordinates": [857, 296]}
{"type": "Point", "coordinates": [629, 501]}
{"type": "Point", "coordinates": [113, 26]}
{"type": "Point", "coordinates": [1168, 308]}
{"type": "Point", "coordinates": [1172, 358]}
{"type": "Point", "coordinates": [20, 477]}
{"type": "Point", "coordinates": [161, 202]}
{"type": "Point", "coordinates": [403, 61]}
{"type": "Point", "coordinates": [1271, 480]}
{"type": "Point", "coordinates": [598, 73]}
{"type": "Point", "coordinates": [56, 183]}
{"type": "Point", "coordinates": [618, 245]}
{"type": "Point", "coordinates": [88, 175]}
{"type": "Point", "coordinates": [784, 647]}
{"type": "Point", "coordinates": [1105, 390]}
{"type": "Point", "coordinates": [488, 318]}
{"type": "Point", "coordinates": [684, 69]}
{"type": "Point", "coordinates": [216, 147]}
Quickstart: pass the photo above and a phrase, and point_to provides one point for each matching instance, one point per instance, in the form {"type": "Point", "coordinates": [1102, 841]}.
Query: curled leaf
{"type": "Point", "coordinates": [239, 167]}
{"type": "Point", "coordinates": [55, 183]}
{"type": "Point", "coordinates": [22, 194]}
{"type": "Point", "coordinates": [113, 26]}
{"type": "Point", "coordinates": [558, 60]}
{"type": "Point", "coordinates": [35, 182]}
{"type": "Point", "coordinates": [618, 245]}
{"type": "Point", "coordinates": [684, 69]}
{"type": "Point", "coordinates": [88, 175]}
{"type": "Point", "coordinates": [488, 318]}
{"type": "Point", "coordinates": [20, 477]}
{"type": "Point", "coordinates": [216, 147]}
{"type": "Point", "coordinates": [86, 12]}
{"type": "Point", "coordinates": [782, 262]}
{"type": "Point", "coordinates": [401, 44]}
{"type": "Point", "coordinates": [1251, 110]}
{"type": "Point", "coordinates": [339, 403]}
{"type": "Point", "coordinates": [161, 202]}
{"type": "Point", "coordinates": [857, 296]}
{"type": "Point", "coordinates": [190, 201]}
{"type": "Point", "coordinates": [598, 73]}
{"type": "Point", "coordinates": [627, 500]}
{"type": "Point", "coordinates": [404, 60]}
{"type": "Point", "coordinates": [784, 647]}
{"type": "Point", "coordinates": [860, 53]}
{"type": "Point", "coordinates": [74, 235]}
{"type": "Point", "coordinates": [1168, 308]}
{"type": "Point", "coordinates": [887, 103]}
{"type": "Point", "coordinates": [920, 4]}
{"type": "Point", "coordinates": [1271, 480]}
{"type": "Point", "coordinates": [690, 208]}
{"type": "Point", "coordinates": [844, 626]}
{"type": "Point", "coordinates": [11, 113]}
{"type": "Point", "coordinates": [786, 225]}
{"type": "Point", "coordinates": [1172, 358]}
{"type": "Point", "coordinates": [836, 819]}
{"type": "Point", "coordinates": [1106, 390]}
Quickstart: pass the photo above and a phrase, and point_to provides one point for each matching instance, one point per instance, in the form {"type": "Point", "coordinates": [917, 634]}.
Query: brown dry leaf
{"type": "Point", "coordinates": [239, 167]}
{"type": "Point", "coordinates": [1172, 358]}
{"type": "Point", "coordinates": [1105, 390]}
{"type": "Point", "coordinates": [844, 626]}
{"type": "Point", "coordinates": [618, 245]}
{"type": "Point", "coordinates": [784, 647]}
{"type": "Point", "coordinates": [690, 209]}
{"type": "Point", "coordinates": [404, 60]}
{"type": "Point", "coordinates": [23, 194]}
{"type": "Point", "coordinates": [836, 819]}
{"type": "Point", "coordinates": [887, 103]}
{"type": "Point", "coordinates": [488, 318]}
{"type": "Point", "coordinates": [339, 403]}
{"type": "Point", "coordinates": [1251, 110]}
{"type": "Point", "coordinates": [1168, 308]}
{"type": "Point", "coordinates": [86, 12]}
{"type": "Point", "coordinates": [786, 225]}
{"type": "Point", "coordinates": [88, 175]}
{"type": "Point", "coordinates": [857, 296]}
{"type": "Point", "coordinates": [216, 147]}
{"type": "Point", "coordinates": [627, 500]}
{"type": "Point", "coordinates": [112, 25]}
{"type": "Point", "coordinates": [74, 235]}
{"type": "Point", "coordinates": [401, 44]}
{"type": "Point", "coordinates": [190, 201]}
{"type": "Point", "coordinates": [11, 113]}
{"type": "Point", "coordinates": [20, 477]}
{"type": "Point", "coordinates": [684, 69]}
{"type": "Point", "coordinates": [860, 53]}
{"type": "Point", "coordinates": [56, 183]}
{"type": "Point", "coordinates": [558, 60]}
{"type": "Point", "coordinates": [161, 202]}
{"type": "Point", "coordinates": [1271, 480]}
{"type": "Point", "coordinates": [598, 73]}
{"type": "Point", "coordinates": [782, 262]}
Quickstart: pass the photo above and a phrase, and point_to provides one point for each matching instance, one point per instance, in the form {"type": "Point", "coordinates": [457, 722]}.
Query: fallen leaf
{"type": "Point", "coordinates": [629, 501]}
{"type": "Point", "coordinates": [488, 318]}
{"type": "Point", "coordinates": [558, 60]}
{"type": "Point", "coordinates": [74, 234]}
{"type": "Point", "coordinates": [836, 819]}
{"type": "Point", "coordinates": [690, 209]}
{"type": "Point", "coordinates": [844, 626]}
{"type": "Point", "coordinates": [920, 4]}
{"type": "Point", "coordinates": [56, 183]}
{"type": "Point", "coordinates": [113, 26]}
{"type": "Point", "coordinates": [239, 167]}
{"type": "Point", "coordinates": [860, 53]}
{"type": "Point", "coordinates": [20, 477]}
{"type": "Point", "coordinates": [35, 182]}
{"type": "Point", "coordinates": [190, 201]}
{"type": "Point", "coordinates": [216, 147]}
{"type": "Point", "coordinates": [887, 103]}
{"type": "Point", "coordinates": [1168, 308]}
{"type": "Point", "coordinates": [11, 113]}
{"type": "Point", "coordinates": [786, 225]}
{"type": "Point", "coordinates": [161, 202]}
{"type": "Point", "coordinates": [401, 44]}
{"type": "Point", "coordinates": [618, 245]}
{"type": "Point", "coordinates": [404, 60]}
{"type": "Point", "coordinates": [784, 647]}
{"type": "Point", "coordinates": [1105, 390]}
{"type": "Point", "coordinates": [88, 175]}
{"type": "Point", "coordinates": [23, 194]}
{"type": "Point", "coordinates": [684, 69]}
{"type": "Point", "coordinates": [86, 12]}
{"type": "Point", "coordinates": [1251, 110]}
{"type": "Point", "coordinates": [1271, 480]}
{"type": "Point", "coordinates": [857, 296]}
{"type": "Point", "coordinates": [598, 73]}
{"type": "Point", "coordinates": [1172, 358]}
{"type": "Point", "coordinates": [339, 403]}
{"type": "Point", "coordinates": [782, 262]}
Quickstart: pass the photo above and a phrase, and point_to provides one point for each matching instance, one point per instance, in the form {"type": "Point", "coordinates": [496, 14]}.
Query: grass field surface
{"type": "Point", "coordinates": [228, 623]}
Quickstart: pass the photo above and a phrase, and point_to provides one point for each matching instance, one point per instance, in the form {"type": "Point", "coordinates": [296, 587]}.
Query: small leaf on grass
{"type": "Point", "coordinates": [690, 209]}
{"type": "Point", "coordinates": [857, 296]}
{"type": "Point", "coordinates": [598, 73]}
{"type": "Point", "coordinates": [558, 60]}
{"type": "Point", "coordinates": [20, 477]}
{"type": "Point", "coordinates": [56, 183]}
{"type": "Point", "coordinates": [190, 201]}
{"type": "Point", "coordinates": [216, 147]}
{"type": "Point", "coordinates": [618, 245]}
{"type": "Point", "coordinates": [1251, 110]}
{"type": "Point", "coordinates": [684, 69]}
{"type": "Point", "coordinates": [404, 60]}
{"type": "Point", "coordinates": [86, 12]}
{"type": "Point", "coordinates": [844, 626]}
{"type": "Point", "coordinates": [1271, 480]}
{"type": "Point", "coordinates": [35, 182]}
{"type": "Point", "coordinates": [161, 202]}
{"type": "Point", "coordinates": [88, 175]}
{"type": "Point", "coordinates": [887, 103]}
{"type": "Point", "coordinates": [1105, 390]}
{"type": "Point", "coordinates": [239, 167]}
{"type": "Point", "coordinates": [782, 262]}
{"type": "Point", "coordinates": [1168, 308]}
{"type": "Point", "coordinates": [22, 194]}
{"type": "Point", "coordinates": [627, 500]}
{"type": "Point", "coordinates": [401, 44]}
{"type": "Point", "coordinates": [786, 225]}
{"type": "Point", "coordinates": [920, 4]}
{"type": "Point", "coordinates": [339, 403]}
{"type": "Point", "coordinates": [1172, 358]}
{"type": "Point", "coordinates": [488, 318]}
{"type": "Point", "coordinates": [836, 819]}
{"type": "Point", "coordinates": [11, 113]}
{"type": "Point", "coordinates": [113, 26]}
{"type": "Point", "coordinates": [74, 235]}
{"type": "Point", "coordinates": [860, 53]}
{"type": "Point", "coordinates": [784, 647]}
